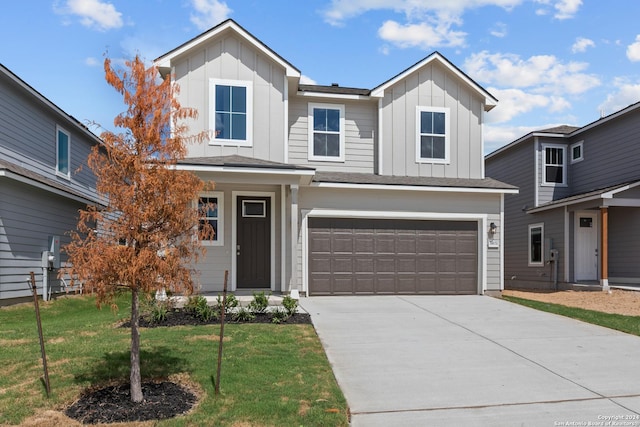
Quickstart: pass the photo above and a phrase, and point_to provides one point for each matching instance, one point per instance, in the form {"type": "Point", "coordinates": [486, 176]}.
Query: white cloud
{"type": "Point", "coordinates": [306, 80]}
{"type": "Point", "coordinates": [209, 13]}
{"type": "Point", "coordinates": [626, 94]}
{"type": "Point", "coordinates": [514, 102]}
{"type": "Point", "coordinates": [540, 74]}
{"type": "Point", "coordinates": [95, 14]}
{"type": "Point", "coordinates": [499, 30]}
{"type": "Point", "coordinates": [420, 35]}
{"type": "Point", "coordinates": [91, 61]}
{"type": "Point", "coordinates": [582, 44]}
{"type": "Point", "coordinates": [564, 9]}
{"type": "Point", "coordinates": [633, 50]}
{"type": "Point", "coordinates": [428, 24]}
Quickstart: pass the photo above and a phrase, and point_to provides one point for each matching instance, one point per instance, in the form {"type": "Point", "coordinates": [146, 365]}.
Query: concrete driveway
{"type": "Point", "coordinates": [475, 361]}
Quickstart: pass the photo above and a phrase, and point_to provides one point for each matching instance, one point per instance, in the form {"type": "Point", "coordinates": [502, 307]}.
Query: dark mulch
{"type": "Point", "coordinates": [180, 317]}
{"type": "Point", "coordinates": [113, 404]}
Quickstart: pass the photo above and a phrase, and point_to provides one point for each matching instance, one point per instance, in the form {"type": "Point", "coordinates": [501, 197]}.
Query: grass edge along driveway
{"type": "Point", "coordinates": [271, 374]}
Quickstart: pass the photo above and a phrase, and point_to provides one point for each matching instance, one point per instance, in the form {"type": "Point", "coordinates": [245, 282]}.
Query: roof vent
{"type": "Point", "coordinates": [335, 84]}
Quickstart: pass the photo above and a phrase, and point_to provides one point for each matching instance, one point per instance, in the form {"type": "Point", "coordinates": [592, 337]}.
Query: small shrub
{"type": "Point", "coordinates": [290, 304]}
{"type": "Point", "coordinates": [259, 303]}
{"type": "Point", "coordinates": [279, 315]}
{"type": "Point", "coordinates": [243, 315]}
{"type": "Point", "coordinates": [231, 303]}
{"type": "Point", "coordinates": [155, 311]}
{"type": "Point", "coordinates": [199, 308]}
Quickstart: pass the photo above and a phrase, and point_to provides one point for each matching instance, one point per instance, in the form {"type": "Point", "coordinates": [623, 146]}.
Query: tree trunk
{"type": "Point", "coordinates": [136, 382]}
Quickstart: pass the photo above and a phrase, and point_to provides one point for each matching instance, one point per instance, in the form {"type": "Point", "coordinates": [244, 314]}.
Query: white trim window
{"type": "Point", "coordinates": [554, 167]}
{"type": "Point", "coordinates": [211, 210]}
{"type": "Point", "coordinates": [63, 152]}
{"type": "Point", "coordinates": [326, 132]}
{"type": "Point", "coordinates": [536, 245]}
{"type": "Point", "coordinates": [577, 152]}
{"type": "Point", "coordinates": [231, 118]}
{"type": "Point", "coordinates": [433, 135]}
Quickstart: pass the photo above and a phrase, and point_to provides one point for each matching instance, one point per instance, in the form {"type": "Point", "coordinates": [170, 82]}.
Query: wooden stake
{"type": "Point", "coordinates": [222, 316]}
{"type": "Point", "coordinates": [44, 355]}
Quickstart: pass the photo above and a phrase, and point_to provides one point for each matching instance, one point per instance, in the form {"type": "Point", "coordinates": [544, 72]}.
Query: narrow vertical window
{"type": "Point", "coordinates": [62, 152]}
{"type": "Point", "coordinates": [536, 239]}
{"type": "Point", "coordinates": [210, 209]}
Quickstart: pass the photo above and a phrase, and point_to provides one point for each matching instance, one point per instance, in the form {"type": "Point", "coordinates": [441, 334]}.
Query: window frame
{"type": "Point", "coordinates": [545, 164]}
{"type": "Point", "coordinates": [67, 174]}
{"type": "Point", "coordinates": [530, 261]}
{"type": "Point", "coordinates": [219, 236]}
{"type": "Point", "coordinates": [248, 85]}
{"type": "Point", "coordinates": [341, 132]}
{"type": "Point", "coordinates": [419, 134]}
{"type": "Point", "coordinates": [572, 147]}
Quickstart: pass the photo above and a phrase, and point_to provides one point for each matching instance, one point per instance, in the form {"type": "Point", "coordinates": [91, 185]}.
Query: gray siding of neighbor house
{"type": "Point", "coordinates": [28, 138]}
{"type": "Point", "coordinates": [611, 154]}
{"type": "Point", "coordinates": [624, 246]}
{"type": "Point", "coordinates": [431, 86]}
{"type": "Point", "coordinates": [441, 204]}
{"type": "Point", "coordinates": [25, 226]}
{"type": "Point", "coordinates": [516, 167]}
{"type": "Point", "coordinates": [361, 121]}
{"type": "Point", "coordinates": [229, 57]}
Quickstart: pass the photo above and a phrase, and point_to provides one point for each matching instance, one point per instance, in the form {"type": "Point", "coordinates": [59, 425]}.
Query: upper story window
{"type": "Point", "coordinates": [63, 152]}
{"type": "Point", "coordinates": [432, 144]}
{"type": "Point", "coordinates": [326, 132]}
{"type": "Point", "coordinates": [211, 208]}
{"type": "Point", "coordinates": [232, 112]}
{"type": "Point", "coordinates": [554, 170]}
{"type": "Point", "coordinates": [577, 154]}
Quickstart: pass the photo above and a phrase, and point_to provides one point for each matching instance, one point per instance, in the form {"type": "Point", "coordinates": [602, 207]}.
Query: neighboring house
{"type": "Point", "coordinates": [329, 190]}
{"type": "Point", "coordinates": [575, 219]}
{"type": "Point", "coordinates": [41, 148]}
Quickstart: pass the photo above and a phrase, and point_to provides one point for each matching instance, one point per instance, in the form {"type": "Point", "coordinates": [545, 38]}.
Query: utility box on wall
{"type": "Point", "coordinates": [51, 257]}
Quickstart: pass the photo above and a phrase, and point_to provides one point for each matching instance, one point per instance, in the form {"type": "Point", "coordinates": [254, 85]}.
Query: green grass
{"type": "Point", "coordinates": [628, 324]}
{"type": "Point", "coordinates": [271, 374]}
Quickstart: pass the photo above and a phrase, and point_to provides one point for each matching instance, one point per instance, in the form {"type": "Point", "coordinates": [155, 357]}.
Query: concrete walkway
{"type": "Point", "coordinates": [475, 361]}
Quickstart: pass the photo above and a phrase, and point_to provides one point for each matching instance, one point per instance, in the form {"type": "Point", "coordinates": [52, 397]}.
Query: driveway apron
{"type": "Point", "coordinates": [475, 361]}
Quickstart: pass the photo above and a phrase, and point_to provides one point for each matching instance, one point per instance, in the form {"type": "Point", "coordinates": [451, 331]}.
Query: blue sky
{"type": "Point", "coordinates": [548, 62]}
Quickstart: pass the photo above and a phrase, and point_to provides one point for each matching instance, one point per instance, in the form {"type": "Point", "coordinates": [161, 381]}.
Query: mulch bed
{"type": "Point", "coordinates": [180, 317]}
{"type": "Point", "coordinates": [113, 404]}
{"type": "Point", "coordinates": [162, 400]}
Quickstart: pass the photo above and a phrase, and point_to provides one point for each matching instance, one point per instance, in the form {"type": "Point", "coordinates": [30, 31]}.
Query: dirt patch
{"type": "Point", "coordinates": [616, 302]}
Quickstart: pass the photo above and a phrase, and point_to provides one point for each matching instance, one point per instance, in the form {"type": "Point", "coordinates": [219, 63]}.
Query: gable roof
{"type": "Point", "coordinates": [164, 62]}
{"type": "Point", "coordinates": [489, 100]}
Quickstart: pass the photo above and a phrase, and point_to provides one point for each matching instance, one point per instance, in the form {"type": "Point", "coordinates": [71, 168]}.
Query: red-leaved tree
{"type": "Point", "coordinates": [145, 238]}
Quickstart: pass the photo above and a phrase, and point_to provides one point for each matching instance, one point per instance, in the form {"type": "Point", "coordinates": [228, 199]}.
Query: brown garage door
{"type": "Point", "coordinates": [372, 256]}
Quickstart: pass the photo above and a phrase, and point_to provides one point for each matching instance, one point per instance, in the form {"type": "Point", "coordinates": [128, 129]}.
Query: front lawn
{"type": "Point", "coordinates": [271, 374]}
{"type": "Point", "coordinates": [628, 324]}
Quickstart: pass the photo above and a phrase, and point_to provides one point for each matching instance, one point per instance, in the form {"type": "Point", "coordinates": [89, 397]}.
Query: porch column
{"type": "Point", "coordinates": [604, 248]}
{"type": "Point", "coordinates": [295, 285]}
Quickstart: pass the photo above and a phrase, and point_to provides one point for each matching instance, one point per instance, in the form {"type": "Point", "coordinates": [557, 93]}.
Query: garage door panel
{"type": "Point", "coordinates": [371, 256]}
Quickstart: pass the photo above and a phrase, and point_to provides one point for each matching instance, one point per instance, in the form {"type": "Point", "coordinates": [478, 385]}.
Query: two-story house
{"type": "Point", "coordinates": [41, 189]}
{"type": "Point", "coordinates": [329, 190]}
{"type": "Point", "coordinates": [575, 219]}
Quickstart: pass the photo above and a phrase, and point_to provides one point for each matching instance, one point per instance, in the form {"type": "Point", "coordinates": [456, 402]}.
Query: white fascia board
{"type": "Point", "coordinates": [489, 100]}
{"type": "Point", "coordinates": [559, 205]}
{"type": "Point", "coordinates": [333, 96]}
{"type": "Point", "coordinates": [378, 187]}
{"type": "Point", "coordinates": [165, 60]}
{"type": "Point", "coordinates": [340, 213]}
{"type": "Point", "coordinates": [611, 193]}
{"type": "Point", "coordinates": [48, 188]}
{"type": "Point", "coordinates": [265, 171]}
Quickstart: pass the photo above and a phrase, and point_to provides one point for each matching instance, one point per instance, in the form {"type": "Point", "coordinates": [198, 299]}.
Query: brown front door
{"type": "Point", "coordinates": [253, 242]}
